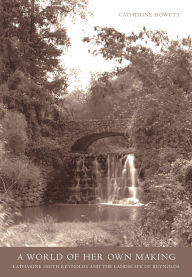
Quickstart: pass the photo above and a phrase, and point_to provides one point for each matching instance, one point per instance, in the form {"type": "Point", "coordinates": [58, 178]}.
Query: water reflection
{"type": "Point", "coordinates": [82, 213]}
{"type": "Point", "coordinates": [117, 213]}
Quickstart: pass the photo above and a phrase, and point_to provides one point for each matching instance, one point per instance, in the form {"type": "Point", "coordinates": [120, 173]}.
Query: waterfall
{"type": "Point", "coordinates": [132, 188]}
{"type": "Point", "coordinates": [105, 178]}
{"type": "Point", "coordinates": [121, 181]}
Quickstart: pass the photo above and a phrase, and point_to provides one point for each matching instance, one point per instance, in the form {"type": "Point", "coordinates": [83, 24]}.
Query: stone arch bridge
{"type": "Point", "coordinates": [79, 134]}
{"type": "Point", "coordinates": [74, 137]}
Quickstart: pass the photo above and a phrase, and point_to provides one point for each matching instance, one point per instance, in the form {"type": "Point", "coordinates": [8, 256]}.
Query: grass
{"type": "Point", "coordinates": [47, 232]}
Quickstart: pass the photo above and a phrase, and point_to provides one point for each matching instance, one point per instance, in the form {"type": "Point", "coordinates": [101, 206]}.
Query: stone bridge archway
{"type": "Point", "coordinates": [82, 144]}
{"type": "Point", "coordinates": [80, 134]}
{"type": "Point", "coordinates": [74, 137]}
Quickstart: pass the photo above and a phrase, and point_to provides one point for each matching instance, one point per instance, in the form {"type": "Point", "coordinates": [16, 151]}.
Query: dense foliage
{"type": "Point", "coordinates": [32, 39]}
{"type": "Point", "coordinates": [153, 89]}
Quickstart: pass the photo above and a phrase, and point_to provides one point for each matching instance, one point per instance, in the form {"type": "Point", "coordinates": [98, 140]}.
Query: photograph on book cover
{"type": "Point", "coordinates": [96, 125]}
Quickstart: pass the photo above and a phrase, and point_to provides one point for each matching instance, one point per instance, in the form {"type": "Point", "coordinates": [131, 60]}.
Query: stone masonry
{"type": "Point", "coordinates": [77, 135]}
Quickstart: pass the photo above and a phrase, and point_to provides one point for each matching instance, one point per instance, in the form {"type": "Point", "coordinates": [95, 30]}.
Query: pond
{"type": "Point", "coordinates": [82, 212]}
{"type": "Point", "coordinates": [118, 196]}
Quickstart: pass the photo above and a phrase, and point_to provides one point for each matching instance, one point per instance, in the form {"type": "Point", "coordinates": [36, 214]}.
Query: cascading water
{"type": "Point", "coordinates": [110, 182]}
{"type": "Point", "coordinates": [105, 178]}
{"type": "Point", "coordinates": [122, 185]}
{"type": "Point", "coordinates": [133, 198]}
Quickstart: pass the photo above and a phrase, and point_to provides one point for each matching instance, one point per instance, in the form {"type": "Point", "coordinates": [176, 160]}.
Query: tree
{"type": "Point", "coordinates": [156, 60]}
{"type": "Point", "coordinates": [114, 94]}
{"type": "Point", "coordinates": [32, 38]}
{"type": "Point", "coordinates": [157, 98]}
{"type": "Point", "coordinates": [15, 125]}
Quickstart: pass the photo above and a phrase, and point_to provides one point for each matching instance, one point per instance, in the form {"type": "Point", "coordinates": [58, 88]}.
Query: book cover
{"type": "Point", "coordinates": [95, 138]}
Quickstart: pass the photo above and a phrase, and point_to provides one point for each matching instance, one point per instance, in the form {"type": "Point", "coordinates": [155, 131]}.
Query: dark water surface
{"type": "Point", "coordinates": [81, 212]}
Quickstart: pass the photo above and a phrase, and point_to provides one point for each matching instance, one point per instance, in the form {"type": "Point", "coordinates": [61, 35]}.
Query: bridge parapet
{"type": "Point", "coordinates": [77, 135]}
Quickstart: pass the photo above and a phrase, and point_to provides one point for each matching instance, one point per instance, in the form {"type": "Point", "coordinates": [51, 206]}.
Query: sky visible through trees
{"type": "Point", "coordinates": [106, 14]}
